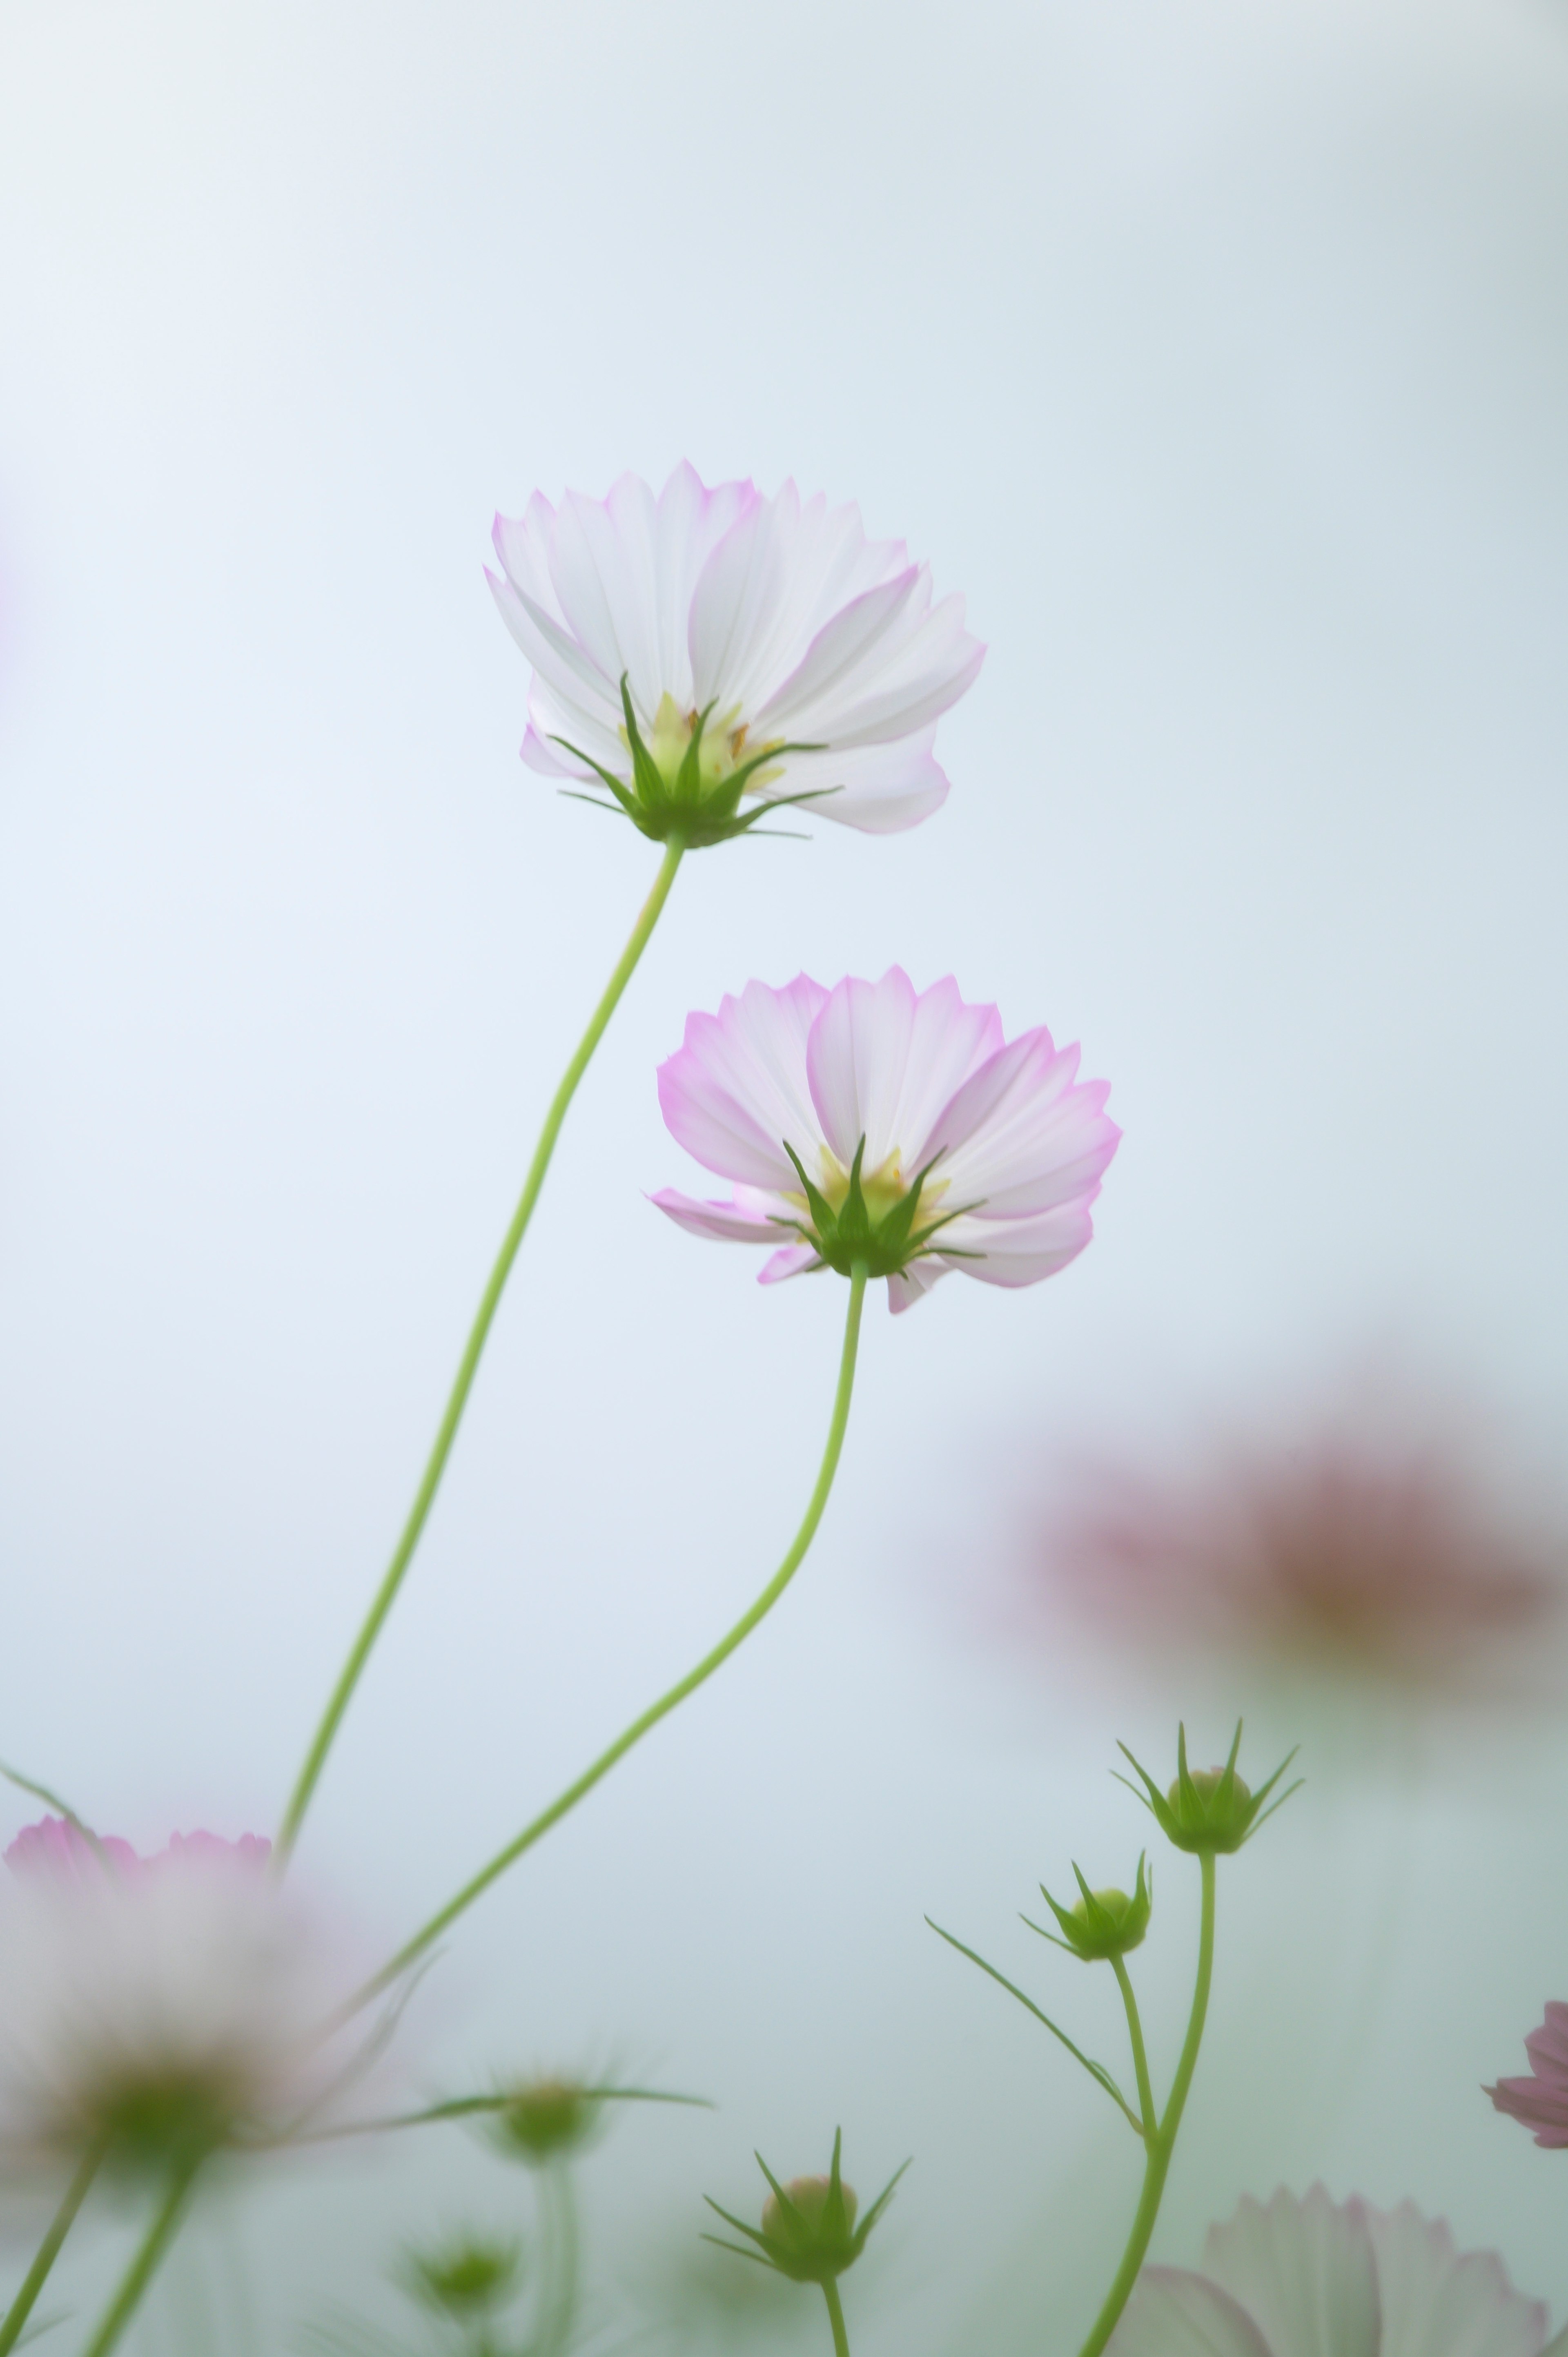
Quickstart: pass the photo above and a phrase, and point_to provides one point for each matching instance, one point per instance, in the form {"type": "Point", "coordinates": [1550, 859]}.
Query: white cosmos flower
{"type": "Point", "coordinates": [160, 2008]}
{"type": "Point", "coordinates": [967, 1151]}
{"type": "Point", "coordinates": [1313, 2278]}
{"type": "Point", "coordinates": [776, 617]}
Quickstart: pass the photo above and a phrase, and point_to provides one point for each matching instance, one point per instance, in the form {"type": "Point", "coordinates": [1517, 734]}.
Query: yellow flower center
{"type": "Point", "coordinates": [721, 754]}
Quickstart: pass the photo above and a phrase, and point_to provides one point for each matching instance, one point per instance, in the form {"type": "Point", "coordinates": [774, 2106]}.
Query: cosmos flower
{"type": "Point", "coordinates": [1313, 2278]}
{"type": "Point", "coordinates": [868, 1123]}
{"type": "Point", "coordinates": [157, 2009]}
{"type": "Point", "coordinates": [1346, 1551]}
{"type": "Point", "coordinates": [696, 647]}
{"type": "Point", "coordinates": [1541, 2100]}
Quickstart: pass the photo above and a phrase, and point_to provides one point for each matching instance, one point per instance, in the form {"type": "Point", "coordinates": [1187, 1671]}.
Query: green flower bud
{"type": "Point", "coordinates": [464, 2278]}
{"type": "Point", "coordinates": [808, 2231]}
{"type": "Point", "coordinates": [1104, 1923]}
{"type": "Point", "coordinates": [1212, 1811]}
{"type": "Point", "coordinates": [540, 2122]}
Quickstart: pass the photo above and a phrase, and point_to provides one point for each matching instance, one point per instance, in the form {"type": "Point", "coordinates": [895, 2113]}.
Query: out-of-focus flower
{"type": "Point", "coordinates": [545, 2119]}
{"type": "Point", "coordinates": [1541, 2100]}
{"type": "Point", "coordinates": [869, 1124]}
{"type": "Point", "coordinates": [1350, 1554]}
{"type": "Point", "coordinates": [156, 2008]}
{"type": "Point", "coordinates": [466, 2277]}
{"type": "Point", "coordinates": [1297, 2277]}
{"type": "Point", "coordinates": [768, 649]}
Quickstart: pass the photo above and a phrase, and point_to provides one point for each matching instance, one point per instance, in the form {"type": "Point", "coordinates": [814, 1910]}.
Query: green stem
{"type": "Point", "coordinates": [468, 1366]}
{"type": "Point", "coordinates": [1161, 2142]}
{"type": "Point", "coordinates": [559, 2305]}
{"type": "Point", "coordinates": [21, 2308]}
{"type": "Point", "coordinates": [1140, 2053]}
{"type": "Point", "coordinates": [835, 2316]}
{"type": "Point", "coordinates": [639, 1726]}
{"type": "Point", "coordinates": [139, 2274]}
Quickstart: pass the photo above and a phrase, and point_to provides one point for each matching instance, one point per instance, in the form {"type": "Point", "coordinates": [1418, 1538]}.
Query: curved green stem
{"type": "Point", "coordinates": [1140, 2053]}
{"type": "Point", "coordinates": [835, 2316]}
{"type": "Point", "coordinates": [140, 2272]}
{"type": "Point", "coordinates": [1161, 2142]}
{"type": "Point", "coordinates": [468, 1366]}
{"type": "Point", "coordinates": [639, 1726]}
{"type": "Point", "coordinates": [33, 2282]}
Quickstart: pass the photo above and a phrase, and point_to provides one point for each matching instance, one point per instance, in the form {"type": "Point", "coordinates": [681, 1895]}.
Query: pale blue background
{"type": "Point", "coordinates": [1220, 353]}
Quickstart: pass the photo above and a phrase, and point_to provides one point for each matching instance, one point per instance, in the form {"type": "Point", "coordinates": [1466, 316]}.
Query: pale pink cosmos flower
{"type": "Point", "coordinates": [156, 2007]}
{"type": "Point", "coordinates": [1347, 1549]}
{"type": "Point", "coordinates": [1541, 2100]}
{"type": "Point", "coordinates": [805, 1089]}
{"type": "Point", "coordinates": [1310, 2278]}
{"type": "Point", "coordinates": [776, 616]}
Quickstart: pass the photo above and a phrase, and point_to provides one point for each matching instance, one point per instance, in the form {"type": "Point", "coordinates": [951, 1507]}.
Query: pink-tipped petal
{"type": "Point", "coordinates": [910, 1285]}
{"type": "Point", "coordinates": [789, 1259]}
{"type": "Point", "coordinates": [729, 1223]}
{"type": "Point", "coordinates": [736, 1091]}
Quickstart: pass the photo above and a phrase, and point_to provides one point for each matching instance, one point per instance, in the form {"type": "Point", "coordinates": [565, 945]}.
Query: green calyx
{"type": "Point", "coordinates": [880, 1240]}
{"type": "Point", "coordinates": [539, 2123]}
{"type": "Point", "coordinates": [464, 2278]}
{"type": "Point", "coordinates": [1210, 1811]}
{"type": "Point", "coordinates": [686, 782]}
{"type": "Point", "coordinates": [807, 2230]}
{"type": "Point", "coordinates": [1104, 1923]}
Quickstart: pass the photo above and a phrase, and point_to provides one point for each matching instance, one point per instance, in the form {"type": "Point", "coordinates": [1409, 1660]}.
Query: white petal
{"type": "Point", "coordinates": [878, 788]}
{"type": "Point", "coordinates": [523, 547]}
{"type": "Point", "coordinates": [856, 1057]}
{"type": "Point", "coordinates": [920, 661]}
{"type": "Point", "coordinates": [1173, 2314]}
{"type": "Point", "coordinates": [732, 1224]}
{"type": "Point", "coordinates": [1436, 2303]}
{"type": "Point", "coordinates": [839, 659]}
{"type": "Point", "coordinates": [912, 1284]}
{"type": "Point", "coordinates": [735, 1092]}
{"type": "Point", "coordinates": [1304, 2272]}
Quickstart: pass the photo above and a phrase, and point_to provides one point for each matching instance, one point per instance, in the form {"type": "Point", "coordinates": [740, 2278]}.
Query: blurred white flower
{"type": "Point", "coordinates": [1313, 2279]}
{"type": "Point", "coordinates": [155, 2009]}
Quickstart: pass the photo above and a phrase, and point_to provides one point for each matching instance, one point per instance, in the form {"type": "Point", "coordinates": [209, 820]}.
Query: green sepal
{"type": "Point", "coordinates": [1102, 1924]}
{"type": "Point", "coordinates": [1213, 1812]}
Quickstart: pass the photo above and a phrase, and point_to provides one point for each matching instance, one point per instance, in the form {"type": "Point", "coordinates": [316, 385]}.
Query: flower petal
{"type": "Point", "coordinates": [734, 1222]}
{"type": "Point", "coordinates": [736, 1090]}
{"type": "Point", "coordinates": [1174, 2314]}
{"type": "Point", "coordinates": [789, 1259]}
{"type": "Point", "coordinates": [1305, 2271]}
{"type": "Point", "coordinates": [912, 1284]}
{"type": "Point", "coordinates": [876, 789]}
{"type": "Point", "coordinates": [881, 1061]}
{"type": "Point", "coordinates": [1438, 2303]}
{"type": "Point", "coordinates": [1015, 1252]}
{"type": "Point", "coordinates": [1020, 1136]}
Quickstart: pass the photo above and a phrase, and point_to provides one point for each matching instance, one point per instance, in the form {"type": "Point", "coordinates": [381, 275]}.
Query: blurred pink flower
{"type": "Point", "coordinates": [156, 2006]}
{"type": "Point", "coordinates": [1303, 2277]}
{"type": "Point", "coordinates": [969, 1152]}
{"type": "Point", "coordinates": [1541, 2100]}
{"type": "Point", "coordinates": [1345, 1552]}
{"type": "Point", "coordinates": [779, 614]}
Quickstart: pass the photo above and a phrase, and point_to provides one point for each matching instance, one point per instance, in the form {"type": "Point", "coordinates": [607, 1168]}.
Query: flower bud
{"type": "Point", "coordinates": [465, 2279]}
{"type": "Point", "coordinates": [540, 2122]}
{"type": "Point", "coordinates": [808, 2231]}
{"type": "Point", "coordinates": [1104, 1923]}
{"type": "Point", "coordinates": [1211, 1812]}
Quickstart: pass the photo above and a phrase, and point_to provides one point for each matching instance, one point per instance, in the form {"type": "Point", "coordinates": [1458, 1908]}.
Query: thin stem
{"type": "Point", "coordinates": [1140, 2053]}
{"type": "Point", "coordinates": [559, 2303]}
{"type": "Point", "coordinates": [139, 2274]}
{"type": "Point", "coordinates": [1161, 2141]}
{"type": "Point", "coordinates": [21, 2308]}
{"type": "Point", "coordinates": [639, 1726]}
{"type": "Point", "coordinates": [835, 2316]}
{"type": "Point", "coordinates": [468, 1366]}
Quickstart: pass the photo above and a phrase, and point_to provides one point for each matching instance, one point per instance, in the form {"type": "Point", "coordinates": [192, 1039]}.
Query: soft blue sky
{"type": "Point", "coordinates": [1220, 355]}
